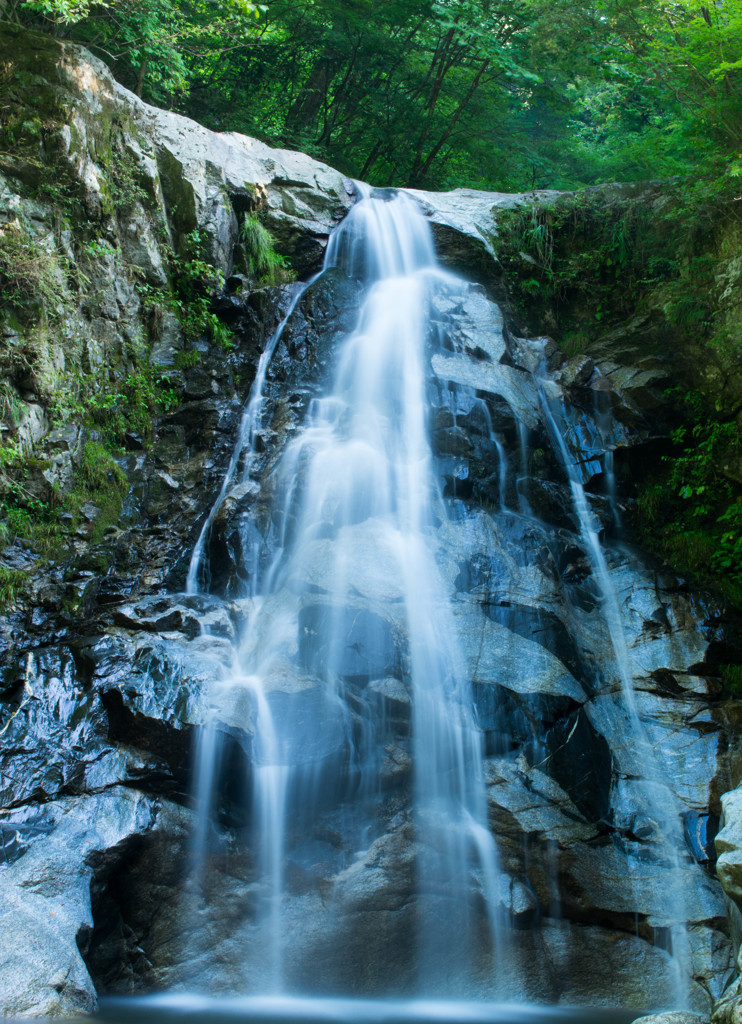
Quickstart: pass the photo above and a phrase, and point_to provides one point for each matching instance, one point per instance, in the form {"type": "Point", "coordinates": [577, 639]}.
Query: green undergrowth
{"type": "Point", "coordinates": [585, 262]}
{"type": "Point", "coordinates": [645, 272]}
{"type": "Point", "coordinates": [115, 408]}
{"type": "Point", "coordinates": [30, 273]}
{"type": "Point", "coordinates": [60, 250]}
{"type": "Point", "coordinates": [12, 585]}
{"type": "Point", "coordinates": [689, 509]}
{"type": "Point", "coordinates": [690, 512]}
{"type": "Point", "coordinates": [193, 282]}
{"type": "Point", "coordinates": [263, 264]}
{"type": "Point", "coordinates": [731, 679]}
{"type": "Point", "coordinates": [91, 504]}
{"type": "Point", "coordinates": [43, 515]}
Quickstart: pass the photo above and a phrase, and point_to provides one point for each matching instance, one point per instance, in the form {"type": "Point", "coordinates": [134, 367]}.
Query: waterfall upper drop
{"type": "Point", "coordinates": [414, 778]}
{"type": "Point", "coordinates": [356, 503]}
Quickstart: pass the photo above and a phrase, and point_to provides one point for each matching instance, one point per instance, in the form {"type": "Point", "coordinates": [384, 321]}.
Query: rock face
{"type": "Point", "coordinates": [108, 677]}
{"type": "Point", "coordinates": [728, 1010]}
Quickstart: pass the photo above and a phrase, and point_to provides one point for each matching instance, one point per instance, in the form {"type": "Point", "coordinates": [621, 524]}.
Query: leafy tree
{"type": "Point", "coordinates": [151, 45]}
{"type": "Point", "coordinates": [506, 94]}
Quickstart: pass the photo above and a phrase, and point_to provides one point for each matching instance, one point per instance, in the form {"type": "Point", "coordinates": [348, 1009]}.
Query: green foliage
{"type": "Point", "coordinates": [12, 585]}
{"type": "Point", "coordinates": [10, 404]}
{"type": "Point", "coordinates": [693, 515]}
{"type": "Point", "coordinates": [32, 275]}
{"type": "Point", "coordinates": [149, 41]}
{"type": "Point", "coordinates": [590, 261]}
{"type": "Point", "coordinates": [194, 281]}
{"type": "Point", "coordinates": [98, 480]}
{"type": "Point", "coordinates": [115, 408]}
{"type": "Point", "coordinates": [67, 11]}
{"type": "Point", "coordinates": [125, 188]}
{"type": "Point", "coordinates": [97, 247]}
{"type": "Point", "coordinates": [23, 514]}
{"type": "Point", "coordinates": [731, 679]}
{"type": "Point", "coordinates": [574, 343]}
{"type": "Point", "coordinates": [186, 359]}
{"type": "Point", "coordinates": [45, 526]}
{"type": "Point", "coordinates": [98, 468]}
{"type": "Point", "coordinates": [440, 93]}
{"type": "Point", "coordinates": [567, 255]}
{"type": "Point", "coordinates": [263, 263]}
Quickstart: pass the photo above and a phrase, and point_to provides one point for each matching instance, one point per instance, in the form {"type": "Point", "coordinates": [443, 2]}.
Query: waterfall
{"type": "Point", "coordinates": [412, 674]}
{"type": "Point", "coordinates": [651, 798]}
{"type": "Point", "coordinates": [354, 494]}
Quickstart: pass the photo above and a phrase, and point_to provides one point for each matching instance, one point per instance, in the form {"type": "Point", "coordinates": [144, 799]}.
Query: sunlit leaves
{"type": "Point", "coordinates": [505, 94]}
{"type": "Point", "coordinates": [65, 11]}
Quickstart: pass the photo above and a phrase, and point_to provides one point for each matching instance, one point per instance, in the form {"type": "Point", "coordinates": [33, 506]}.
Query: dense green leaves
{"type": "Point", "coordinates": [692, 515]}
{"type": "Point", "coordinates": [506, 94]}
{"type": "Point", "coordinates": [152, 45]}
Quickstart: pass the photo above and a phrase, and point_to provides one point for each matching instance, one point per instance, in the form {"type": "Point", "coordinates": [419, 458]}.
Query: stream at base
{"type": "Point", "coordinates": [193, 1009]}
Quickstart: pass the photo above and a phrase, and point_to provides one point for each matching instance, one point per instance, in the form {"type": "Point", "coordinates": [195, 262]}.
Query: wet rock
{"type": "Point", "coordinates": [536, 355]}
{"type": "Point", "coordinates": [55, 738]}
{"type": "Point", "coordinates": [496, 655]}
{"type": "Point", "coordinates": [673, 1017]}
{"type": "Point", "coordinates": [356, 644]}
{"type": "Point", "coordinates": [46, 916]}
{"type": "Point", "coordinates": [579, 759]}
{"type": "Point", "coordinates": [638, 971]}
{"type": "Point", "coordinates": [729, 845]}
{"type": "Point", "coordinates": [327, 311]}
{"type": "Point", "coordinates": [521, 903]}
{"type": "Point", "coordinates": [190, 615]}
{"type": "Point", "coordinates": [550, 502]}
{"type": "Point", "coordinates": [100, 733]}
{"type": "Point", "coordinates": [464, 227]}
{"type": "Point", "coordinates": [576, 372]}
{"type": "Point", "coordinates": [394, 696]}
{"type": "Point", "coordinates": [523, 800]}
{"type": "Point", "coordinates": [686, 764]}
{"type": "Point", "coordinates": [371, 559]}
{"type": "Point", "coordinates": [541, 625]}
{"type": "Point", "coordinates": [154, 689]}
{"type": "Point", "coordinates": [599, 879]}
{"type": "Point", "coordinates": [510, 719]}
{"type": "Point", "coordinates": [512, 386]}
{"type": "Point", "coordinates": [380, 878]}
{"type": "Point", "coordinates": [728, 1009]}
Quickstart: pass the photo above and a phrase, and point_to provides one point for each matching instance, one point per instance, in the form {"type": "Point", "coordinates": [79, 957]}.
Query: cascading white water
{"type": "Point", "coordinates": [245, 446]}
{"type": "Point", "coordinates": [651, 798]}
{"type": "Point", "coordinates": [353, 668]}
{"type": "Point", "coordinates": [360, 473]}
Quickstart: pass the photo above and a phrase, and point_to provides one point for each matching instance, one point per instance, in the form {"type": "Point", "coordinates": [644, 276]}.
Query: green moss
{"type": "Point", "coordinates": [115, 408]}
{"type": "Point", "coordinates": [13, 583]}
{"type": "Point", "coordinates": [194, 281]}
{"type": "Point", "coordinates": [121, 186]}
{"type": "Point", "coordinates": [187, 359]}
{"type": "Point", "coordinates": [587, 262]}
{"type": "Point", "coordinates": [574, 343]}
{"type": "Point", "coordinates": [11, 406]}
{"type": "Point", "coordinates": [102, 482]}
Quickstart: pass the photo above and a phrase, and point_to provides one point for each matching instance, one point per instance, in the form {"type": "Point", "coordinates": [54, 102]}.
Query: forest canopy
{"type": "Point", "coordinates": [495, 94]}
